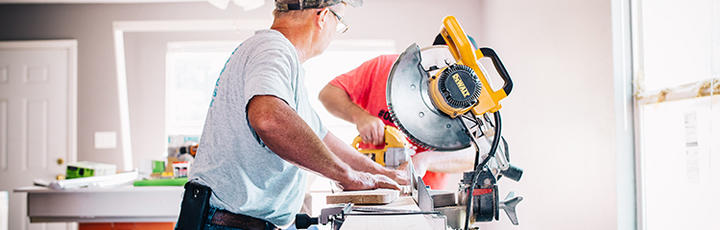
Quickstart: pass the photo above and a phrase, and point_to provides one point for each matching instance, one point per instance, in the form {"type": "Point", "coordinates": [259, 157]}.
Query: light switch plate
{"type": "Point", "coordinates": [105, 140]}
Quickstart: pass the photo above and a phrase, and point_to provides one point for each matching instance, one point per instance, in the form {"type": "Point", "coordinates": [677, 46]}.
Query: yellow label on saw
{"type": "Point", "coordinates": [461, 85]}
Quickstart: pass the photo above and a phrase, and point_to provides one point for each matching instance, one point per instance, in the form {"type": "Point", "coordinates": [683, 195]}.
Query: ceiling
{"type": "Point", "coordinates": [94, 1]}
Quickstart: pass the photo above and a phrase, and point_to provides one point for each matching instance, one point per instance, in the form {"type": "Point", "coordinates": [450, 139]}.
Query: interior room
{"type": "Point", "coordinates": [226, 114]}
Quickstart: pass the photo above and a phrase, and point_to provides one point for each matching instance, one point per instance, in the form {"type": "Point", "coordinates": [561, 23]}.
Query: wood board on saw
{"type": "Point", "coordinates": [377, 196]}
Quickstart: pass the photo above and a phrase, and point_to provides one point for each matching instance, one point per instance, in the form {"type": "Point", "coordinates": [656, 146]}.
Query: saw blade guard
{"type": "Point", "coordinates": [411, 108]}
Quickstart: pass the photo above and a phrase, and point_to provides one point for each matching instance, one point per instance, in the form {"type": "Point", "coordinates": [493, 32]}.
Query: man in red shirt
{"type": "Point", "coordinates": [358, 96]}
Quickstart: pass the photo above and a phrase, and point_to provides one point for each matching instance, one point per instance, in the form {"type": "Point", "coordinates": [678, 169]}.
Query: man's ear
{"type": "Point", "coordinates": [322, 17]}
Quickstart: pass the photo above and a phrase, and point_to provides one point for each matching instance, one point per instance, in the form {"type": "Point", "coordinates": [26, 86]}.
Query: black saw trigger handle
{"type": "Point", "coordinates": [508, 86]}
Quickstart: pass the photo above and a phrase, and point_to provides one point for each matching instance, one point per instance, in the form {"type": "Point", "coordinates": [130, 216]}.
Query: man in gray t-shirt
{"type": "Point", "coordinates": [261, 130]}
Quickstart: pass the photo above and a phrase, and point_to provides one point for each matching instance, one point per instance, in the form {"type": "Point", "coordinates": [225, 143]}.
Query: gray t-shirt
{"type": "Point", "coordinates": [247, 177]}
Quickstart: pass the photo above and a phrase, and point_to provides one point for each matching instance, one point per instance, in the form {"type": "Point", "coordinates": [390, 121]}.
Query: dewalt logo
{"type": "Point", "coordinates": [461, 85]}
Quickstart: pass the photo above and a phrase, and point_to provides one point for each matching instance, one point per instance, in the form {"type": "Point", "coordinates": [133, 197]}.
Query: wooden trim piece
{"type": "Point", "coordinates": [40, 44]}
{"type": "Point", "coordinates": [123, 99]}
{"type": "Point", "coordinates": [190, 25]}
{"type": "Point", "coordinates": [682, 92]}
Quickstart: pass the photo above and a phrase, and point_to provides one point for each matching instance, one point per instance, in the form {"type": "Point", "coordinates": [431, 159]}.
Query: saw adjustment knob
{"type": "Point", "coordinates": [509, 205]}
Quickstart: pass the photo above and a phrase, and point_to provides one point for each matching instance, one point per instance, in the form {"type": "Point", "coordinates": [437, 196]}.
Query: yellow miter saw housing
{"type": "Point", "coordinates": [457, 88]}
{"type": "Point", "coordinates": [441, 99]}
{"type": "Point", "coordinates": [395, 152]}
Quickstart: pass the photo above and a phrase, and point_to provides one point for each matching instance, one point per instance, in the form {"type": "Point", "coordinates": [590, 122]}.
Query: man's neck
{"type": "Point", "coordinates": [300, 38]}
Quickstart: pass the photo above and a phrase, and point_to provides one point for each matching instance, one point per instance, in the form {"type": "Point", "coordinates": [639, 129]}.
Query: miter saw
{"type": "Point", "coordinates": [441, 98]}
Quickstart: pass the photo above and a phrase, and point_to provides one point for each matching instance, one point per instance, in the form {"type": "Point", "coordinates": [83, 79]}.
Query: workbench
{"type": "Point", "coordinates": [94, 205]}
{"type": "Point", "coordinates": [129, 204]}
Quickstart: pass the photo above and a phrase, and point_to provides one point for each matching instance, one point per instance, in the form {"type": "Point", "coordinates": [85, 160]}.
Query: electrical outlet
{"type": "Point", "coordinates": [105, 140]}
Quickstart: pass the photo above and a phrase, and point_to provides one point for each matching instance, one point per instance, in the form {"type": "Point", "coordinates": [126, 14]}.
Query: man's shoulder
{"type": "Point", "coordinates": [269, 39]}
{"type": "Point", "coordinates": [269, 45]}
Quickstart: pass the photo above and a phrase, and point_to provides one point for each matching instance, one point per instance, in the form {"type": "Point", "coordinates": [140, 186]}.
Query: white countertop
{"type": "Point", "coordinates": [114, 204]}
{"type": "Point", "coordinates": [162, 204]}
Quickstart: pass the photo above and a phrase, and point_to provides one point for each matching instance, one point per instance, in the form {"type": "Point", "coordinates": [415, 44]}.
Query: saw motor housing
{"type": "Point", "coordinates": [462, 86]}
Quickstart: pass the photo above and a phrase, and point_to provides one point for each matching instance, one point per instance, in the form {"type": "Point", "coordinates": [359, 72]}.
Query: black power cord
{"type": "Point", "coordinates": [479, 167]}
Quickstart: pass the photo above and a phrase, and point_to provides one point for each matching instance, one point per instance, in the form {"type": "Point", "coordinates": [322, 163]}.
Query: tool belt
{"type": "Point", "coordinates": [229, 219]}
{"type": "Point", "coordinates": [195, 211]}
{"type": "Point", "coordinates": [195, 206]}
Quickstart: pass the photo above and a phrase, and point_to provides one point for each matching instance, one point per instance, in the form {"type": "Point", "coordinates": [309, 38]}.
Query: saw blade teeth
{"type": "Point", "coordinates": [411, 138]}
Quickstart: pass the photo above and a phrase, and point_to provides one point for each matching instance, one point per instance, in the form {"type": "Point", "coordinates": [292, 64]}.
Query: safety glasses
{"type": "Point", "coordinates": [342, 27]}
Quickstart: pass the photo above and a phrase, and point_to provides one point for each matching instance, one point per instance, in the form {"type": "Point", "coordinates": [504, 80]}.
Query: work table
{"type": "Point", "coordinates": [115, 204]}
{"type": "Point", "coordinates": [162, 204]}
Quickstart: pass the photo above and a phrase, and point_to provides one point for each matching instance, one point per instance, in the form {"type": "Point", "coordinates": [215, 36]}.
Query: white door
{"type": "Point", "coordinates": [38, 86]}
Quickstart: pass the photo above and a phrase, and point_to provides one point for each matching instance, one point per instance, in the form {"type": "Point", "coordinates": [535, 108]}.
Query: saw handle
{"type": "Point", "coordinates": [461, 49]}
{"type": "Point", "coordinates": [375, 152]}
{"type": "Point", "coordinates": [456, 40]}
{"type": "Point", "coordinates": [358, 140]}
{"type": "Point", "coordinates": [490, 53]}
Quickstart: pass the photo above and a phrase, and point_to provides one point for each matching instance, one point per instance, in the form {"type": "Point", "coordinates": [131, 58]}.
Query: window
{"type": "Point", "coordinates": [193, 68]}
{"type": "Point", "coordinates": [676, 71]}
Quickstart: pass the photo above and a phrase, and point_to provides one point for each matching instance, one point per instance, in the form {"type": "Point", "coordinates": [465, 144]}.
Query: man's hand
{"type": "Point", "coordinates": [371, 128]}
{"type": "Point", "coordinates": [366, 181]}
{"type": "Point", "coordinates": [337, 102]}
{"type": "Point", "coordinates": [400, 175]}
{"type": "Point", "coordinates": [421, 163]}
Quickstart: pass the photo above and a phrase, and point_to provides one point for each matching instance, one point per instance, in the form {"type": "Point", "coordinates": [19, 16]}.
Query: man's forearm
{"type": "Point", "coordinates": [349, 155]}
{"type": "Point", "coordinates": [337, 102]}
{"type": "Point", "coordinates": [449, 162]}
{"type": "Point", "coordinates": [286, 134]}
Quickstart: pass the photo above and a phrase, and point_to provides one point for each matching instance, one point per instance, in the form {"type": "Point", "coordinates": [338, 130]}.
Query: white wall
{"type": "Point", "coordinates": [404, 21]}
{"type": "Point", "coordinates": [559, 119]}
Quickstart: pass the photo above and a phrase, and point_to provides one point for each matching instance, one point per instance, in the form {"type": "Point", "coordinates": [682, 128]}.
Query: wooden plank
{"type": "Point", "coordinates": [377, 196]}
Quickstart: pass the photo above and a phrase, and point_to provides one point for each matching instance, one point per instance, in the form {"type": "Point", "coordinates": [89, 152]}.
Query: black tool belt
{"type": "Point", "coordinates": [195, 209]}
{"type": "Point", "coordinates": [229, 219]}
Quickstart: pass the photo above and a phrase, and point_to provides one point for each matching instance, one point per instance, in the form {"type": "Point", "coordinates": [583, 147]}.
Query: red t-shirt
{"type": "Point", "coordinates": [366, 87]}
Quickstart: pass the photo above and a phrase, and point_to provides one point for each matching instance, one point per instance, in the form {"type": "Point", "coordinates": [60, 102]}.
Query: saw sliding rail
{"type": "Point", "coordinates": [336, 216]}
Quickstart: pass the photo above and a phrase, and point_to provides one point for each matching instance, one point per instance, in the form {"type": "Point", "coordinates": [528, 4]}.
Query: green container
{"type": "Point", "coordinates": [162, 182]}
{"type": "Point", "coordinates": [158, 166]}
{"type": "Point", "coordinates": [76, 172]}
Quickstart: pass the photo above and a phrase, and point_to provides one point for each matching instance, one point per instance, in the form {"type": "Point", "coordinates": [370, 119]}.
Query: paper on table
{"type": "Point", "coordinates": [95, 181]}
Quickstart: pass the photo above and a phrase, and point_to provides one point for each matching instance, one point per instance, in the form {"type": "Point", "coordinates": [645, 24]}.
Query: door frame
{"type": "Point", "coordinates": [70, 45]}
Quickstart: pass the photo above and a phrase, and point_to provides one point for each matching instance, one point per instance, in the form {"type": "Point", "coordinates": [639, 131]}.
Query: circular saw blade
{"type": "Point", "coordinates": [411, 107]}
